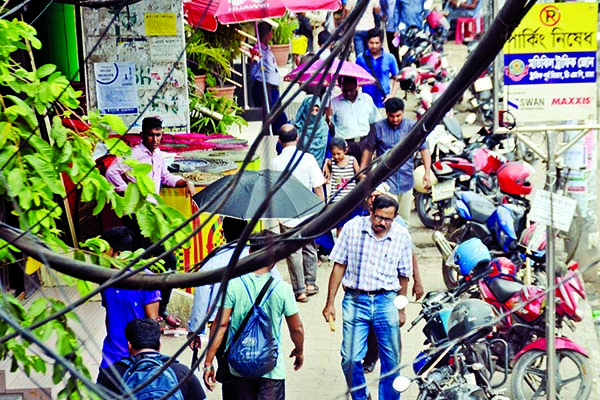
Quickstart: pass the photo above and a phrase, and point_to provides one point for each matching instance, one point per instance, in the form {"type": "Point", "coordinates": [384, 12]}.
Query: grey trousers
{"type": "Point", "coordinates": [302, 265]}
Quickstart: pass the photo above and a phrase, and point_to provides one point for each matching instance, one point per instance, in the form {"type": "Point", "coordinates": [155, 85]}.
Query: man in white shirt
{"type": "Point", "coordinates": [352, 114]}
{"type": "Point", "coordinates": [302, 264]}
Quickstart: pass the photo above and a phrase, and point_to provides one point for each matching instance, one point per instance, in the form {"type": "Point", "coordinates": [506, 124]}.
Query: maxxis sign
{"type": "Point", "coordinates": [550, 64]}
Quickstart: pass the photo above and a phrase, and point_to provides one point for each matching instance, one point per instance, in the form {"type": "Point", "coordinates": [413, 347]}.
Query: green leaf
{"type": "Point", "coordinates": [45, 70]}
{"type": "Point", "coordinates": [5, 128]}
{"type": "Point", "coordinates": [58, 133]}
{"type": "Point", "coordinates": [145, 184]}
{"type": "Point", "coordinates": [46, 171]}
{"type": "Point", "coordinates": [21, 109]}
{"type": "Point", "coordinates": [117, 147]}
{"type": "Point", "coordinates": [116, 123]}
{"type": "Point", "coordinates": [141, 169]}
{"type": "Point", "coordinates": [131, 199]}
{"type": "Point", "coordinates": [146, 221]}
{"type": "Point", "coordinates": [15, 180]}
{"type": "Point", "coordinates": [39, 365]}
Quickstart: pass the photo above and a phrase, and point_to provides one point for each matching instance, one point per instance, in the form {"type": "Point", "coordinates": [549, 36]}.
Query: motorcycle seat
{"type": "Point", "coordinates": [480, 207]}
{"type": "Point", "coordinates": [481, 210]}
{"type": "Point", "coordinates": [504, 289]}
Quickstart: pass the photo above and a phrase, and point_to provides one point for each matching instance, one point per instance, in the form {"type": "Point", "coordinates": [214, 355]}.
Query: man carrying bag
{"type": "Point", "coordinates": [255, 303]}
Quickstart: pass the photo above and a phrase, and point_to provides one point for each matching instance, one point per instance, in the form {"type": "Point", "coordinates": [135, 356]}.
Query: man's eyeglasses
{"type": "Point", "coordinates": [379, 218]}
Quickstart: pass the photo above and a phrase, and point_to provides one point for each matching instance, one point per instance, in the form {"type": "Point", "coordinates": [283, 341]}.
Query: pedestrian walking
{"type": "Point", "coordinates": [302, 264]}
{"type": "Point", "coordinates": [382, 65]}
{"type": "Point", "coordinates": [279, 302]}
{"type": "Point", "coordinates": [384, 135]}
{"type": "Point", "coordinates": [339, 170]}
{"type": "Point", "coordinates": [352, 113]}
{"type": "Point", "coordinates": [373, 262]}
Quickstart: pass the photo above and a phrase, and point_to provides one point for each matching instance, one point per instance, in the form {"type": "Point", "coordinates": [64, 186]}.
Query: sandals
{"type": "Point", "coordinates": [170, 320]}
{"type": "Point", "coordinates": [301, 297]}
{"type": "Point", "coordinates": [311, 290]}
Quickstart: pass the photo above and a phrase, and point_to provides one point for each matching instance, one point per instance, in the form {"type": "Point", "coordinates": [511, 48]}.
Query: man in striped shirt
{"type": "Point", "coordinates": [373, 262]}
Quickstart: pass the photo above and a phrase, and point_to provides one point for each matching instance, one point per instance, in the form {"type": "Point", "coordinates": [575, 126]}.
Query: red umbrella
{"type": "Point", "coordinates": [202, 13]}
{"type": "Point", "coordinates": [363, 77]}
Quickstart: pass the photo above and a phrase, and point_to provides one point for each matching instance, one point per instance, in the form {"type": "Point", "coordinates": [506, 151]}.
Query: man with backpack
{"type": "Point", "coordinates": [256, 303]}
{"type": "Point", "coordinates": [143, 338]}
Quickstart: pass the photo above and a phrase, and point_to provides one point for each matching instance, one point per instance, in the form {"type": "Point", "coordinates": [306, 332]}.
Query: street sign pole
{"type": "Point", "coordinates": [550, 272]}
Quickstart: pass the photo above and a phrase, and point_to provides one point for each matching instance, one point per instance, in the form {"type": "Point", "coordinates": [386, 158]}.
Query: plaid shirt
{"type": "Point", "coordinates": [373, 263]}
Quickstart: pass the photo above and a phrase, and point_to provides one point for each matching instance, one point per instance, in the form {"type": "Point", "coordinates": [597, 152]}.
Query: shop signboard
{"type": "Point", "coordinates": [550, 64]}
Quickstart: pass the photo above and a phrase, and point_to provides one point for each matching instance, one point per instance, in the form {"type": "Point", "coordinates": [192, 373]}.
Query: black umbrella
{"type": "Point", "coordinates": [291, 200]}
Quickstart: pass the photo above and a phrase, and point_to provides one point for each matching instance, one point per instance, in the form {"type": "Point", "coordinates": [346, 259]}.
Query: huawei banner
{"type": "Point", "coordinates": [550, 64]}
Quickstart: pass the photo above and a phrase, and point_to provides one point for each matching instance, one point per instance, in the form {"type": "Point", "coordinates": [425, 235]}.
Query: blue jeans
{"type": "Point", "coordinates": [360, 311]}
{"type": "Point", "coordinates": [360, 42]}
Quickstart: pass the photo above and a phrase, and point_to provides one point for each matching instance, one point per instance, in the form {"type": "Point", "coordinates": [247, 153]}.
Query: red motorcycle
{"type": "Point", "coordinates": [520, 337]}
{"type": "Point", "coordinates": [449, 173]}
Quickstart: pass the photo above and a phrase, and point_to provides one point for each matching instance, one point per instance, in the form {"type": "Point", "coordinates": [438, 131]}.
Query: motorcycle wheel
{"type": "Point", "coordinates": [430, 214]}
{"type": "Point", "coordinates": [529, 376]}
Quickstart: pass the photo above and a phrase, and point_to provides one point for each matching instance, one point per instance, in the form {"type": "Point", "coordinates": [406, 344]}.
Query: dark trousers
{"type": "Point", "coordinates": [395, 51]}
{"type": "Point", "coordinates": [258, 389]}
{"type": "Point", "coordinates": [170, 261]}
{"type": "Point", "coordinates": [258, 97]}
{"type": "Point", "coordinates": [356, 149]}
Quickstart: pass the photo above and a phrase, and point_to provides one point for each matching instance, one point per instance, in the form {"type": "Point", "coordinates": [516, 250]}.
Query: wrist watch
{"type": "Point", "coordinates": [209, 368]}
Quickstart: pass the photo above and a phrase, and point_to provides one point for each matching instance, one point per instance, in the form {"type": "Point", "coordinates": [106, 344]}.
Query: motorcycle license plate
{"type": "Point", "coordinates": [442, 191]}
{"type": "Point", "coordinates": [482, 84]}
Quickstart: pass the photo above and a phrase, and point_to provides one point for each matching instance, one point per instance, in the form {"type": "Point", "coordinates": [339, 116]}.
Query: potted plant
{"type": "Point", "coordinates": [282, 38]}
{"type": "Point", "coordinates": [213, 114]}
{"type": "Point", "coordinates": [213, 53]}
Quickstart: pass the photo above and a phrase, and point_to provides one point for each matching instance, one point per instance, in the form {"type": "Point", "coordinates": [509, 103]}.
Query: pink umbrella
{"type": "Point", "coordinates": [363, 77]}
{"type": "Point", "coordinates": [202, 13]}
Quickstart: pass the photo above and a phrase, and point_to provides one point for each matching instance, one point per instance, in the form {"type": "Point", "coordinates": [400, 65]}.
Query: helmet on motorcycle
{"type": "Point", "coordinates": [470, 254]}
{"type": "Point", "coordinates": [470, 318]}
{"type": "Point", "coordinates": [408, 78]}
{"type": "Point", "coordinates": [418, 175]}
{"type": "Point", "coordinates": [502, 267]}
{"type": "Point", "coordinates": [513, 178]}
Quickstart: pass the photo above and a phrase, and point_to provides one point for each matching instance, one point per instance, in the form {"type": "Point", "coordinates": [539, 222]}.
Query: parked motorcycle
{"type": "Point", "coordinates": [459, 365]}
{"type": "Point", "coordinates": [519, 339]}
{"type": "Point", "coordinates": [436, 205]}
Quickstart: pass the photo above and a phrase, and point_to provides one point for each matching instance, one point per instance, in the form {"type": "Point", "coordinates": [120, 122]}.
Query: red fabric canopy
{"type": "Point", "coordinates": [202, 12]}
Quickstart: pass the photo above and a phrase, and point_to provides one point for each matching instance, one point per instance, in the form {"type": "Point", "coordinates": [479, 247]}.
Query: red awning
{"type": "Point", "coordinates": [202, 12]}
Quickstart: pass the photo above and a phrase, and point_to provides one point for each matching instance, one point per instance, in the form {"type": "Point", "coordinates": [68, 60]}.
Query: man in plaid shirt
{"type": "Point", "coordinates": [372, 261]}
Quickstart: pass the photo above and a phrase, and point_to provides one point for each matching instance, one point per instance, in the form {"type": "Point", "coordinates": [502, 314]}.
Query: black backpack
{"type": "Point", "coordinates": [141, 367]}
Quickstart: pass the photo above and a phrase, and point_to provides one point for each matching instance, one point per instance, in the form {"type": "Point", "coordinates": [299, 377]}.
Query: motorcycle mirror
{"type": "Point", "coordinates": [428, 4]}
{"type": "Point", "coordinates": [401, 384]}
{"type": "Point", "coordinates": [401, 302]}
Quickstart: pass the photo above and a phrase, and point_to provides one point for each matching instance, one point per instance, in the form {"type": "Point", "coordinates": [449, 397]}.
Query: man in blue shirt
{"type": "Point", "coordinates": [384, 135]}
{"type": "Point", "coordinates": [382, 65]}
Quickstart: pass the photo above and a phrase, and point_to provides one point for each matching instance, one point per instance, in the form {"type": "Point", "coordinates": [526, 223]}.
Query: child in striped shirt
{"type": "Point", "coordinates": [340, 169]}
